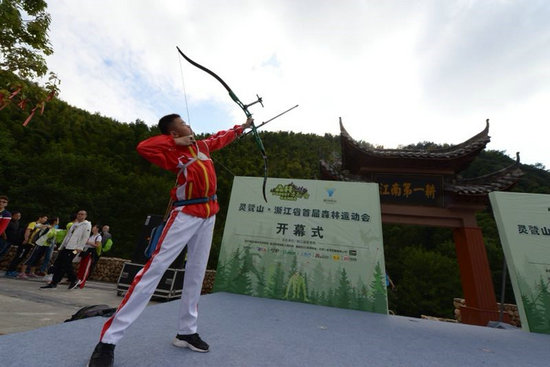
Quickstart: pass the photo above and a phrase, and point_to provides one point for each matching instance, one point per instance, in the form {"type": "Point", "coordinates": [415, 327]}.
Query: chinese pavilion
{"type": "Point", "coordinates": [423, 187]}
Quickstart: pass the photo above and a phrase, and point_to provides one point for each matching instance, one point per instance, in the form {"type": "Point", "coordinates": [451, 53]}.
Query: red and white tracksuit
{"type": "Point", "coordinates": [190, 225]}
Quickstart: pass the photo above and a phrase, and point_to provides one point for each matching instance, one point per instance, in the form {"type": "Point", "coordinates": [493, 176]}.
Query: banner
{"type": "Point", "coordinates": [523, 222]}
{"type": "Point", "coordinates": [314, 241]}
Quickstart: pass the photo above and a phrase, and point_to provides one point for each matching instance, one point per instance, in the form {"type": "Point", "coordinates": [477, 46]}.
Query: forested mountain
{"type": "Point", "coordinates": [69, 159]}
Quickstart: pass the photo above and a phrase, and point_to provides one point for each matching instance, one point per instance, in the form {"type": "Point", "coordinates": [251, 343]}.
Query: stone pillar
{"type": "Point", "coordinates": [477, 284]}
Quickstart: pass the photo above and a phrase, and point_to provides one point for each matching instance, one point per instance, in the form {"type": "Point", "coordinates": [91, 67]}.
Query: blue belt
{"type": "Point", "coordinates": [194, 201]}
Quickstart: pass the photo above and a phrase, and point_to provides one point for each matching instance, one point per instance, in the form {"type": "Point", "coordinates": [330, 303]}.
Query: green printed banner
{"type": "Point", "coordinates": [523, 222]}
{"type": "Point", "coordinates": [313, 241]}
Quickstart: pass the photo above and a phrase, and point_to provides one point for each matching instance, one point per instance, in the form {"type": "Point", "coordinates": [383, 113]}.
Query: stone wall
{"type": "Point", "coordinates": [6, 259]}
{"type": "Point", "coordinates": [108, 269]}
{"type": "Point", "coordinates": [509, 310]}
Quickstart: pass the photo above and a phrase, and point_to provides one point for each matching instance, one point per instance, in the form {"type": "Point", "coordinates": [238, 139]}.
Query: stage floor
{"type": "Point", "coordinates": [249, 331]}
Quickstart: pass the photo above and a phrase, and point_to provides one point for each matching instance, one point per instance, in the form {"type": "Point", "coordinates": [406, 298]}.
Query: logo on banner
{"type": "Point", "coordinates": [290, 192]}
{"type": "Point", "coordinates": [330, 196]}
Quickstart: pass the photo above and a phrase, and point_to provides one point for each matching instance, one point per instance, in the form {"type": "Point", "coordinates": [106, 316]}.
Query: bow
{"type": "Point", "coordinates": [244, 107]}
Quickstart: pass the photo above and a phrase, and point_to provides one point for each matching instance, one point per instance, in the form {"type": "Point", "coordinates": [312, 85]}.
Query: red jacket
{"type": "Point", "coordinates": [196, 176]}
{"type": "Point", "coordinates": [5, 218]}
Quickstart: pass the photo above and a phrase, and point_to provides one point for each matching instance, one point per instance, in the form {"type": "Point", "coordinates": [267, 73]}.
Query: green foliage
{"type": "Point", "coordinates": [427, 284]}
{"type": "Point", "coordinates": [343, 292]}
{"type": "Point", "coordinates": [24, 37]}
{"type": "Point", "coordinates": [378, 302]}
{"type": "Point", "coordinates": [536, 307]}
{"type": "Point", "coordinates": [69, 159]}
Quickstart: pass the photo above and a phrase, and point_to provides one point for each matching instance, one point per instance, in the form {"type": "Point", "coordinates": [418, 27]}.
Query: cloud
{"type": "Point", "coordinates": [487, 52]}
{"type": "Point", "coordinates": [396, 72]}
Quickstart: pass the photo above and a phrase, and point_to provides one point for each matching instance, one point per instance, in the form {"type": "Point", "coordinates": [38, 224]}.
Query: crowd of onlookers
{"type": "Point", "coordinates": [79, 241]}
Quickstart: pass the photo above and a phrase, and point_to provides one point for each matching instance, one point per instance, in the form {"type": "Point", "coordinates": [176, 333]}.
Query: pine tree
{"type": "Point", "coordinates": [242, 282]}
{"type": "Point", "coordinates": [343, 292]}
{"type": "Point", "coordinates": [378, 291]}
{"type": "Point", "coordinates": [275, 285]}
{"type": "Point", "coordinates": [535, 319]}
{"type": "Point", "coordinates": [260, 287]}
{"type": "Point", "coordinates": [233, 272]}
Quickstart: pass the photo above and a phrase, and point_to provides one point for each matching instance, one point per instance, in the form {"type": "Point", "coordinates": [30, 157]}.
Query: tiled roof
{"type": "Point", "coordinates": [360, 161]}
{"type": "Point", "coordinates": [480, 186]}
{"type": "Point", "coordinates": [455, 158]}
{"type": "Point", "coordinates": [500, 180]}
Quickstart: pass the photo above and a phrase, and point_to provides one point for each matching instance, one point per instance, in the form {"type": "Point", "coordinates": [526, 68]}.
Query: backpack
{"type": "Point", "coordinates": [107, 246]}
{"type": "Point", "coordinates": [37, 233]}
{"type": "Point", "coordinates": [46, 239]}
{"type": "Point", "coordinates": [91, 311]}
{"type": "Point", "coordinates": [60, 236]}
{"type": "Point", "coordinates": [153, 240]}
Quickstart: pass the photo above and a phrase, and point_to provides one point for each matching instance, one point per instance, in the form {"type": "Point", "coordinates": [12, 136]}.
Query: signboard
{"type": "Point", "coordinates": [411, 189]}
{"type": "Point", "coordinates": [314, 241]}
{"type": "Point", "coordinates": [523, 222]}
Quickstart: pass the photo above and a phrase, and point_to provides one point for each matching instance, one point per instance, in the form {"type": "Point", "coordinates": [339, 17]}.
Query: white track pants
{"type": "Point", "coordinates": [180, 229]}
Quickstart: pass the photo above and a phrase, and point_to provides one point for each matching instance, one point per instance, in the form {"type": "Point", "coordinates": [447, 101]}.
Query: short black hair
{"type": "Point", "coordinates": [165, 122]}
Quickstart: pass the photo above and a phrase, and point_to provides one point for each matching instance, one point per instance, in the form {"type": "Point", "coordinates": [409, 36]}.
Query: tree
{"type": "Point", "coordinates": [24, 43]}
{"type": "Point", "coordinates": [343, 292]}
{"type": "Point", "coordinates": [275, 285]}
{"type": "Point", "coordinates": [378, 298]}
{"type": "Point", "coordinates": [428, 283]}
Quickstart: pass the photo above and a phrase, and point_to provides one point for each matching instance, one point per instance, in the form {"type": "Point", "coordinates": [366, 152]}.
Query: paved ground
{"type": "Point", "coordinates": [24, 306]}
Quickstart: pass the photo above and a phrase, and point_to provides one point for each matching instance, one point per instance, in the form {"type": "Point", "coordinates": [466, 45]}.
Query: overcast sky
{"type": "Point", "coordinates": [397, 72]}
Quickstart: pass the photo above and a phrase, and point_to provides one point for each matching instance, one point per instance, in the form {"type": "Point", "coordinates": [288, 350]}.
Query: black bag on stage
{"type": "Point", "coordinates": [91, 311]}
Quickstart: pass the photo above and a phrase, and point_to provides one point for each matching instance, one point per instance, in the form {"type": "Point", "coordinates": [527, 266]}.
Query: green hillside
{"type": "Point", "coordinates": [69, 159]}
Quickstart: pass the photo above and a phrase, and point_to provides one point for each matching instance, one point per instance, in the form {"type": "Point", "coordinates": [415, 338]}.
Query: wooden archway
{"type": "Point", "coordinates": [423, 187]}
{"type": "Point", "coordinates": [477, 284]}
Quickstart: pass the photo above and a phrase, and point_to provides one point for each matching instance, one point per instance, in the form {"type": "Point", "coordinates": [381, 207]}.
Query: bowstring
{"type": "Point", "coordinates": [189, 118]}
{"type": "Point", "coordinates": [184, 91]}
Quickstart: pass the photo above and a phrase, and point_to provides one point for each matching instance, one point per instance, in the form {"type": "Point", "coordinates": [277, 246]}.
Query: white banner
{"type": "Point", "coordinates": [523, 222]}
{"type": "Point", "coordinates": [314, 241]}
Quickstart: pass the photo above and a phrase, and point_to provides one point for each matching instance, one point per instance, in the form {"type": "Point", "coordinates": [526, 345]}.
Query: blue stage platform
{"type": "Point", "coordinates": [247, 331]}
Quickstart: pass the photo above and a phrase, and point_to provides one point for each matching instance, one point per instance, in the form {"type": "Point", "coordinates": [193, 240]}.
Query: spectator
{"type": "Point", "coordinates": [59, 235]}
{"type": "Point", "coordinates": [6, 220]}
{"type": "Point", "coordinates": [89, 255]}
{"type": "Point", "coordinates": [41, 248]}
{"type": "Point", "coordinates": [15, 231]}
{"type": "Point", "coordinates": [72, 244]}
{"type": "Point", "coordinates": [5, 216]}
{"type": "Point", "coordinates": [106, 236]}
{"type": "Point", "coordinates": [389, 282]}
{"type": "Point", "coordinates": [26, 246]}
{"type": "Point", "coordinates": [106, 243]}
